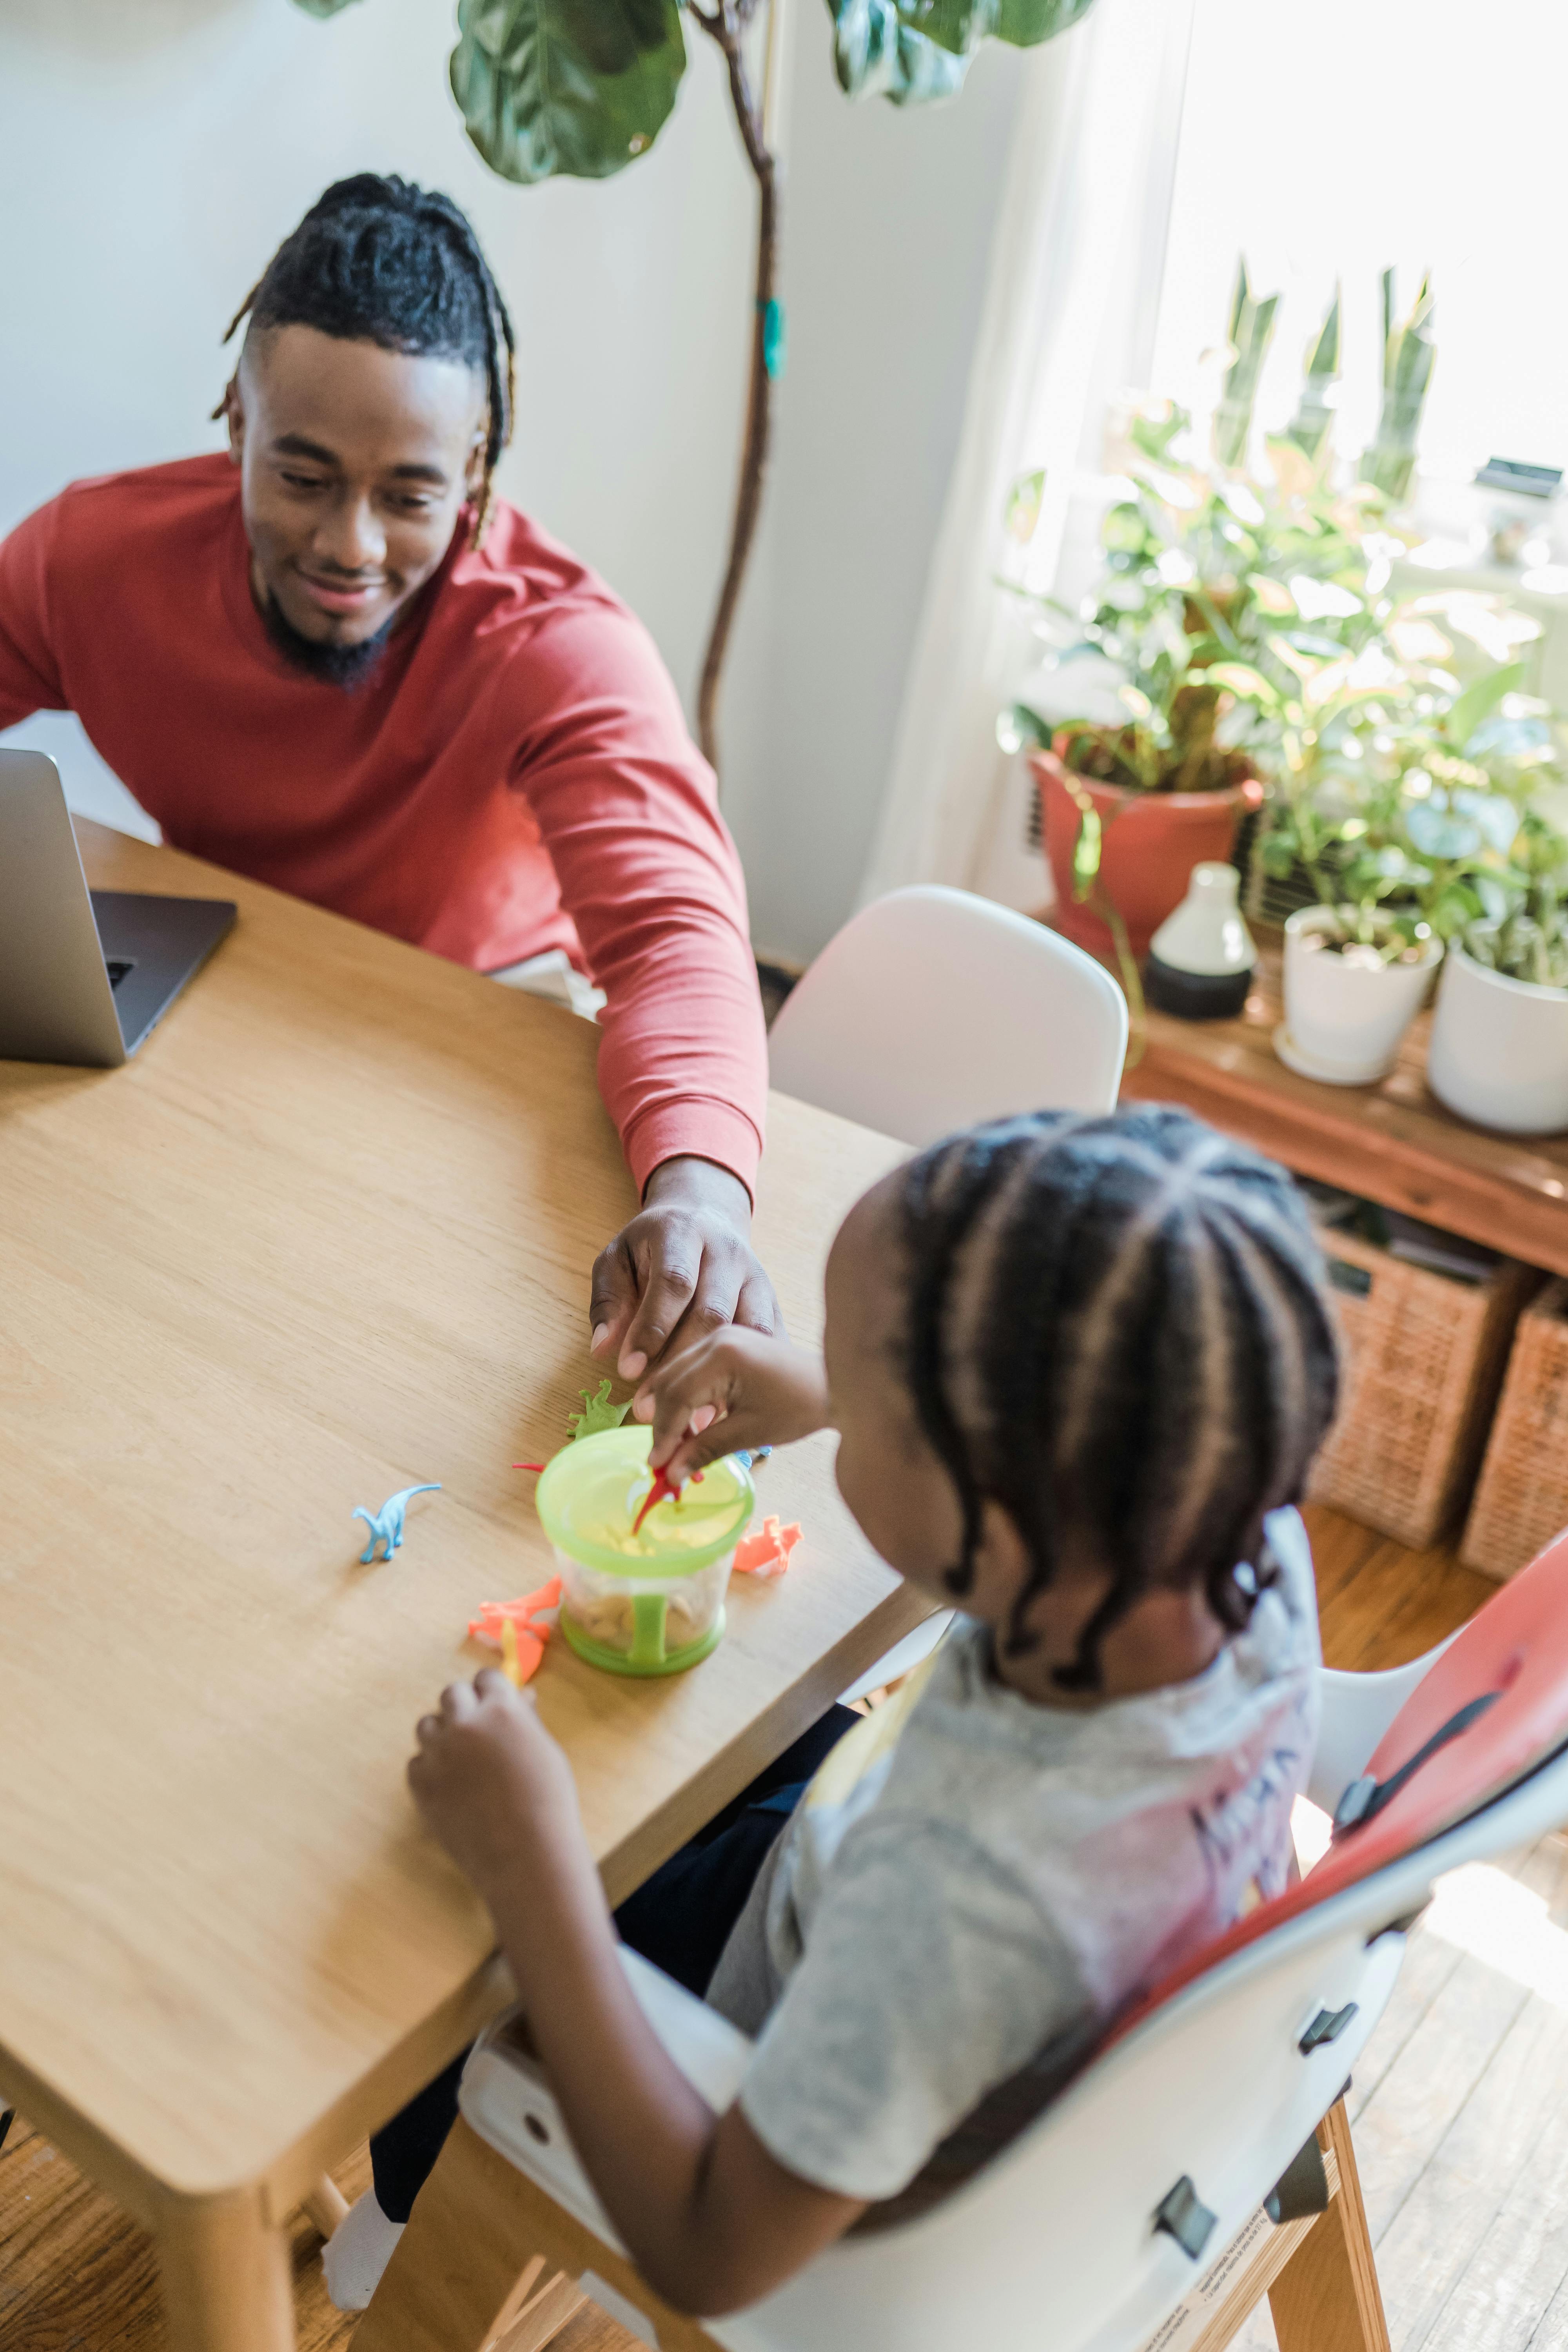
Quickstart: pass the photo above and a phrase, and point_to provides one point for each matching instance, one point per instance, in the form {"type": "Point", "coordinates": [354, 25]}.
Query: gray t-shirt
{"type": "Point", "coordinates": [972, 1880]}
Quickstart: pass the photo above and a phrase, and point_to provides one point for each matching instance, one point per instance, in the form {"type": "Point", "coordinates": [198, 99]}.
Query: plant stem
{"type": "Point", "coordinates": [1110, 915]}
{"type": "Point", "coordinates": [726, 25]}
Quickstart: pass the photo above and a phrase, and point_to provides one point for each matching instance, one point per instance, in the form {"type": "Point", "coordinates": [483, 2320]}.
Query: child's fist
{"type": "Point", "coordinates": [489, 1781]}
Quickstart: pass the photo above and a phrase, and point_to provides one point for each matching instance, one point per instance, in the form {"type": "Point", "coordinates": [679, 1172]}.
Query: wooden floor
{"type": "Point", "coordinates": [1460, 2102]}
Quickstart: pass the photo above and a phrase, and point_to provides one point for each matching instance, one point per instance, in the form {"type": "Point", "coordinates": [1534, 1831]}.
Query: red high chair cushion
{"type": "Point", "coordinates": [1514, 1649]}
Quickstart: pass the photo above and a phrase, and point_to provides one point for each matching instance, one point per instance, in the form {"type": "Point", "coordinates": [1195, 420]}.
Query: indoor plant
{"type": "Point", "coordinates": [1202, 570]}
{"type": "Point", "coordinates": [1355, 978]}
{"type": "Point", "coordinates": [1389, 458]}
{"type": "Point", "coordinates": [1131, 809]}
{"type": "Point", "coordinates": [1404, 802]}
{"type": "Point", "coordinates": [547, 89]}
{"type": "Point", "coordinates": [1425, 833]}
{"type": "Point", "coordinates": [1498, 1053]}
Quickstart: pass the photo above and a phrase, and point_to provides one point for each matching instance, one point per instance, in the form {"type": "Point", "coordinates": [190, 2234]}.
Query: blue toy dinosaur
{"type": "Point", "coordinates": [387, 1526]}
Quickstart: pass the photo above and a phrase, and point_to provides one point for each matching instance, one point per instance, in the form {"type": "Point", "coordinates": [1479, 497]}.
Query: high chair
{"type": "Point", "coordinates": [1142, 2186]}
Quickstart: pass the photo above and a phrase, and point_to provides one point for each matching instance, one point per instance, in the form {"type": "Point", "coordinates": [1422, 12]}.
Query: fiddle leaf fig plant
{"type": "Point", "coordinates": [877, 55]}
{"type": "Point", "coordinates": [581, 88]}
{"type": "Point", "coordinates": [573, 87]}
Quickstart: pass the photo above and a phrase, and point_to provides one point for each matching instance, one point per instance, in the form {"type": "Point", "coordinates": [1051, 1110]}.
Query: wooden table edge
{"type": "Point", "coordinates": [157, 2201]}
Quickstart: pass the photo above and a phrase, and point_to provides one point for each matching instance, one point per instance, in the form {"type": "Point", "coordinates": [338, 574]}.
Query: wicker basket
{"type": "Point", "coordinates": [1425, 1360]}
{"type": "Point", "coordinates": [1521, 1501]}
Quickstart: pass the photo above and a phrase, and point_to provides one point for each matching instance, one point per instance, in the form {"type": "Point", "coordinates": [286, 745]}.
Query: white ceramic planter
{"type": "Point", "coordinates": [1499, 1049]}
{"type": "Point", "coordinates": [1344, 1018]}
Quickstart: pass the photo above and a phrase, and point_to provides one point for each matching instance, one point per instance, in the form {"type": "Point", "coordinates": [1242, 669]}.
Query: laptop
{"type": "Point", "coordinates": [85, 975]}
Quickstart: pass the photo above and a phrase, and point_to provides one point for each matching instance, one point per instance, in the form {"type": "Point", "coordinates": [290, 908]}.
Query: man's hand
{"type": "Point", "coordinates": [731, 1388]}
{"type": "Point", "coordinates": [682, 1268]}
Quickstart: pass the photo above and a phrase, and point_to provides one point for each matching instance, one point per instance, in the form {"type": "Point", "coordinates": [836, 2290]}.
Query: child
{"type": "Point", "coordinates": [1075, 1364]}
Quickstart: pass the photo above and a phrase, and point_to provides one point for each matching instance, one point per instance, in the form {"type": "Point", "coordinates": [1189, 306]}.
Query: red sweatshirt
{"type": "Point", "coordinates": [516, 775]}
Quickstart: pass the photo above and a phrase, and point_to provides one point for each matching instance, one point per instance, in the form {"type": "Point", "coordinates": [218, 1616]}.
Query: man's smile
{"type": "Point", "coordinates": [335, 593]}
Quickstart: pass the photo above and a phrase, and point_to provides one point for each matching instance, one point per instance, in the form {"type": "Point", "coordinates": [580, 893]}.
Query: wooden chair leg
{"type": "Point", "coordinates": [7, 2117]}
{"type": "Point", "coordinates": [463, 2276]}
{"type": "Point", "coordinates": [326, 2204]}
{"type": "Point", "coordinates": [1326, 2299]}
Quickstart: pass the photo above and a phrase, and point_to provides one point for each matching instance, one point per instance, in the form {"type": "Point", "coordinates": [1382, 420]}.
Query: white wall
{"type": "Point", "coordinates": [152, 154]}
{"type": "Point", "coordinates": [888, 217]}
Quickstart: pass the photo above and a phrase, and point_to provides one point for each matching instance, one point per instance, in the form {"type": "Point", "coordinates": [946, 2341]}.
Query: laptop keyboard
{"type": "Point", "coordinates": [118, 967]}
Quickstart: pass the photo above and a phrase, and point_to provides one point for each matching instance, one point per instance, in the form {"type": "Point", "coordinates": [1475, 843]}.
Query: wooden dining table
{"type": "Point", "coordinates": [328, 1236]}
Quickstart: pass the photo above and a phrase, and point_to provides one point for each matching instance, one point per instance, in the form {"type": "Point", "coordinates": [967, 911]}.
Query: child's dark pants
{"type": "Point", "coordinates": [679, 1919]}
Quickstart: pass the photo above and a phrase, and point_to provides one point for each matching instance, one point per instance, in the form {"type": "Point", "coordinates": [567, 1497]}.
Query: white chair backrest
{"type": "Point", "coordinates": [932, 1009]}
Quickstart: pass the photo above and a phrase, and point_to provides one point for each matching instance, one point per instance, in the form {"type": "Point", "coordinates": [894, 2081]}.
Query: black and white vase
{"type": "Point", "coordinates": [1202, 957]}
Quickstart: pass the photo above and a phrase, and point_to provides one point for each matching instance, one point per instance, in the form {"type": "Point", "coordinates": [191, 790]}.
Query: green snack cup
{"type": "Point", "coordinates": [652, 1603]}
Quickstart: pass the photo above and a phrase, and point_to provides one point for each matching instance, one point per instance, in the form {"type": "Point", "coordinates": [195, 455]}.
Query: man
{"type": "Point", "coordinates": [331, 660]}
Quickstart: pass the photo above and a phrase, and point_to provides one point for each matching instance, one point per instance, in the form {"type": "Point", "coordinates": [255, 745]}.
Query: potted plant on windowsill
{"type": "Point", "coordinates": [1202, 568]}
{"type": "Point", "coordinates": [1404, 800]}
{"type": "Point", "coordinates": [1498, 1053]}
{"type": "Point", "coordinates": [1355, 978]}
{"type": "Point", "coordinates": [1126, 812]}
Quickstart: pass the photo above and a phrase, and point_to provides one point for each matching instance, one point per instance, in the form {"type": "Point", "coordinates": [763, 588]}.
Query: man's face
{"type": "Point", "coordinates": [354, 464]}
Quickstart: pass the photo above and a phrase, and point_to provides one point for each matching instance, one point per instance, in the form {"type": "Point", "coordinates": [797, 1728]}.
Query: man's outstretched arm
{"type": "Point", "coordinates": [627, 809]}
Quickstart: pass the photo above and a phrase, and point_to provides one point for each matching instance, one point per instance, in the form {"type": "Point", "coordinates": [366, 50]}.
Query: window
{"type": "Point", "coordinates": [1333, 138]}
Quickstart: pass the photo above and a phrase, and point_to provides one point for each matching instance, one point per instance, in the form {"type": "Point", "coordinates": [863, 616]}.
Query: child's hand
{"type": "Point", "coordinates": [491, 1784]}
{"type": "Point", "coordinates": [733, 1389]}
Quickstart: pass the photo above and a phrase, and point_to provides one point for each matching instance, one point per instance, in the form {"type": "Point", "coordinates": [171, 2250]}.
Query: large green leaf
{"type": "Point", "coordinates": [960, 25]}
{"type": "Point", "coordinates": [1479, 698]}
{"type": "Point", "coordinates": [876, 53]}
{"type": "Point", "coordinates": [580, 87]}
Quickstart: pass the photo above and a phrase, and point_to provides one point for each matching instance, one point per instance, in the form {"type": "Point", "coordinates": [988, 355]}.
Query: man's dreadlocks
{"type": "Point", "coordinates": [379, 260]}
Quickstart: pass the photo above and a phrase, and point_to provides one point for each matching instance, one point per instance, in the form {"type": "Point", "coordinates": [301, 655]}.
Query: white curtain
{"type": "Point", "coordinates": [1068, 322]}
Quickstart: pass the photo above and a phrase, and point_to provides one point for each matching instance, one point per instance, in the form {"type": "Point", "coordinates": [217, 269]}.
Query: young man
{"type": "Point", "coordinates": [331, 660]}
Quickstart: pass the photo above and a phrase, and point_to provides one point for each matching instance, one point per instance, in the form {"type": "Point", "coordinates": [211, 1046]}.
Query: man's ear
{"type": "Point", "coordinates": [231, 408]}
{"type": "Point", "coordinates": [474, 471]}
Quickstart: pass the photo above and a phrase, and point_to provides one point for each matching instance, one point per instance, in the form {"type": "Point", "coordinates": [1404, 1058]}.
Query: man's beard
{"type": "Point", "coordinates": [342, 665]}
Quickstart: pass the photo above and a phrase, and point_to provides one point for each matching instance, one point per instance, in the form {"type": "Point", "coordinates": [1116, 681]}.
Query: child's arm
{"type": "Point", "coordinates": [733, 1389]}
{"type": "Point", "coordinates": [710, 2219]}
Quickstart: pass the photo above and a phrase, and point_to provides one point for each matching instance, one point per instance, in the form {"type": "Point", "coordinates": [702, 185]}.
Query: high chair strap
{"type": "Point", "coordinates": [1366, 1796]}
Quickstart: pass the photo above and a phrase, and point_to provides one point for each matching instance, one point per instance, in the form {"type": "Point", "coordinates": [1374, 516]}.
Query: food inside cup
{"type": "Point", "coordinates": [643, 1588]}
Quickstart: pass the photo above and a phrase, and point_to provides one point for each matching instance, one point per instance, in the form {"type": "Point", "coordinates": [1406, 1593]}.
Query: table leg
{"type": "Point", "coordinates": [227, 2286]}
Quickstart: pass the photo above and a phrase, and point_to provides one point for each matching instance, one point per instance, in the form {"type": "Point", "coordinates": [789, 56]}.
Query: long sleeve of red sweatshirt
{"type": "Point", "coordinates": [516, 775]}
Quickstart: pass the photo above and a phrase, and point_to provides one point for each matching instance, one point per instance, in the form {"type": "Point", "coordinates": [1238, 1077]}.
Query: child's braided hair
{"type": "Point", "coordinates": [379, 260]}
{"type": "Point", "coordinates": [1117, 1327]}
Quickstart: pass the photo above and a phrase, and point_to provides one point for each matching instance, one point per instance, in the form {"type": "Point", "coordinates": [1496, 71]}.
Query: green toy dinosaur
{"type": "Point", "coordinates": [597, 1412]}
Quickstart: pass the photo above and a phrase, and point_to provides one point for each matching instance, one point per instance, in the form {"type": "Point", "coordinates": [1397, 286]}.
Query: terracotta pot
{"type": "Point", "coordinates": [1151, 843]}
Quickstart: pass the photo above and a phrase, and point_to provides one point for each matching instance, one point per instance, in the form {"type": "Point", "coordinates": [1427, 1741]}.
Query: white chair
{"type": "Point", "coordinates": [933, 1009]}
{"type": "Point", "coordinates": [1087, 2233]}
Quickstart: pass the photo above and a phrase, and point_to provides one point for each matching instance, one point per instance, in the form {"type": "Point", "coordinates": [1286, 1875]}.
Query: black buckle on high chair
{"type": "Point", "coordinates": [1366, 1798]}
{"type": "Point", "coordinates": [1182, 2215]}
{"type": "Point", "coordinates": [1327, 2026]}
